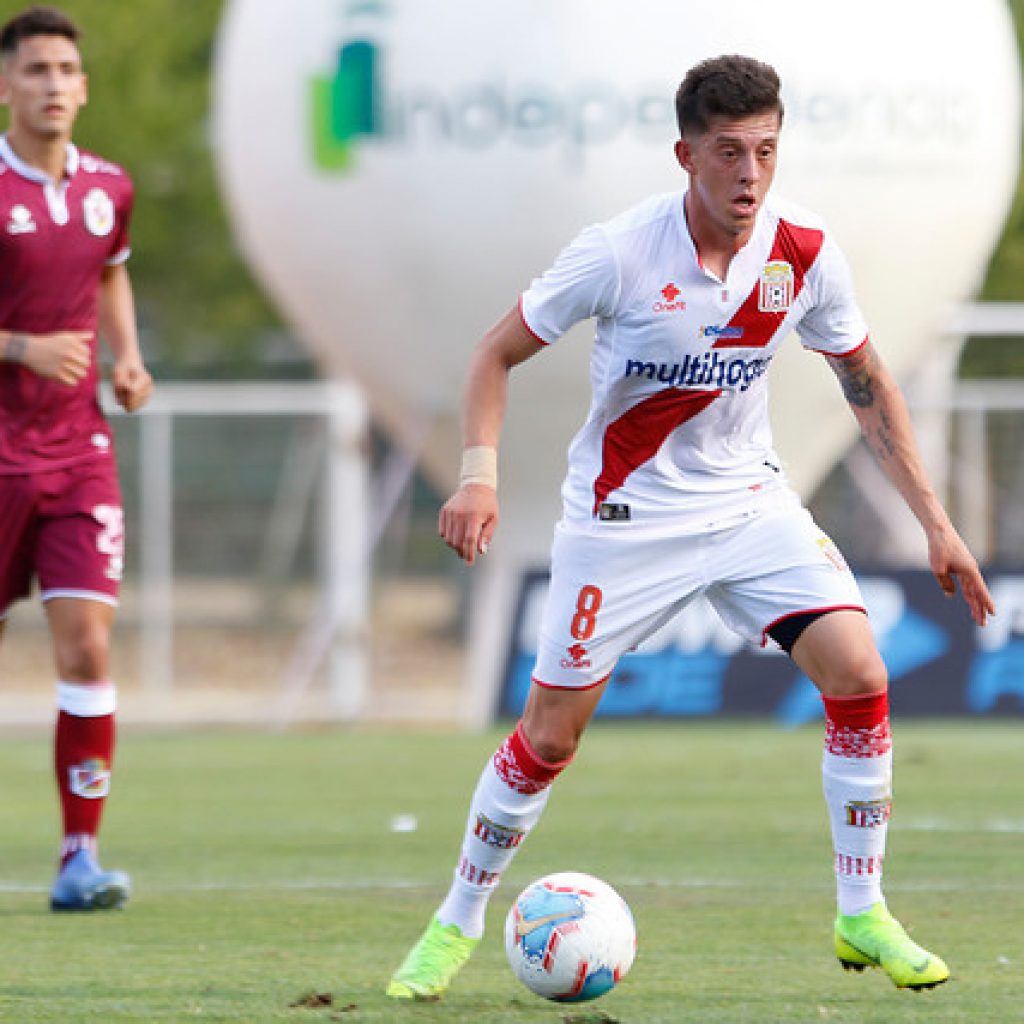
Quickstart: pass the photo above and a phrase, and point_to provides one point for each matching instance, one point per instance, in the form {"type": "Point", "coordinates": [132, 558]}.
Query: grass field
{"type": "Point", "coordinates": [266, 869]}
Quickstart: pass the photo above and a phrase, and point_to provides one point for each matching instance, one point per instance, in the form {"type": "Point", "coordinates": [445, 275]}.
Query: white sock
{"type": "Point", "coordinates": [508, 801]}
{"type": "Point", "coordinates": [856, 771]}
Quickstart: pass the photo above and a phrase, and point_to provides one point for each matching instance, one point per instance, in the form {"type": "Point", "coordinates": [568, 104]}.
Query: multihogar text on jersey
{"type": "Point", "coordinates": [706, 370]}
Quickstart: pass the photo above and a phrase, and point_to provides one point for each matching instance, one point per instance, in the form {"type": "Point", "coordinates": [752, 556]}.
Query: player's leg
{"type": "Point", "coordinates": [791, 583]}
{"type": "Point", "coordinates": [605, 596]}
{"type": "Point", "coordinates": [84, 739]}
{"type": "Point", "coordinates": [78, 556]}
{"type": "Point", "coordinates": [509, 798]}
{"type": "Point", "coordinates": [511, 794]}
{"type": "Point", "coordinates": [837, 651]}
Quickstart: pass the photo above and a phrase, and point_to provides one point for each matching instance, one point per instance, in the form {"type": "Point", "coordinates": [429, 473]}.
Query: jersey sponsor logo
{"type": "Point", "coordinates": [669, 301]}
{"type": "Point", "coordinates": [868, 813]}
{"type": "Point", "coordinates": [578, 657]}
{"type": "Point", "coordinates": [777, 287]}
{"type": "Point", "coordinates": [728, 331]}
{"type": "Point", "coordinates": [90, 779]}
{"type": "Point", "coordinates": [20, 221]}
{"type": "Point", "coordinates": [706, 370]}
{"type": "Point", "coordinates": [98, 208]}
{"type": "Point", "coordinates": [614, 512]}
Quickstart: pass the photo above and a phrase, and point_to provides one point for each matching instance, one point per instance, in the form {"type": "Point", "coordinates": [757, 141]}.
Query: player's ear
{"type": "Point", "coordinates": [684, 155]}
{"type": "Point", "coordinates": [85, 89]}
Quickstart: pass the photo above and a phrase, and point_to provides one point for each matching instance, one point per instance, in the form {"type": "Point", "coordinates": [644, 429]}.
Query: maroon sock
{"type": "Point", "coordinates": [83, 752]}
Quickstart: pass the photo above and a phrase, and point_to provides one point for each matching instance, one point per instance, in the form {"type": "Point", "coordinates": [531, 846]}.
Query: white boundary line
{"type": "Point", "coordinates": [405, 885]}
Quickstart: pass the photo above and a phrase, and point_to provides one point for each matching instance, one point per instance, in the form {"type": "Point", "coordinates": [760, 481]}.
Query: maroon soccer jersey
{"type": "Point", "coordinates": [55, 241]}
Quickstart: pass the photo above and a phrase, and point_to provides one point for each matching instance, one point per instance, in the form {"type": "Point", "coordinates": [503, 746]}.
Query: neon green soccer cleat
{"type": "Point", "coordinates": [876, 939]}
{"type": "Point", "coordinates": [428, 970]}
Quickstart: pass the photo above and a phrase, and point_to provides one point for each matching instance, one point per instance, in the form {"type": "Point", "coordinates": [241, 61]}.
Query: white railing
{"type": "Point", "coordinates": [343, 551]}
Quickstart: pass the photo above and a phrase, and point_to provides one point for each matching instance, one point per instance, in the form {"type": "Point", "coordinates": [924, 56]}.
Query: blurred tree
{"type": "Point", "coordinates": [149, 67]}
{"type": "Point", "coordinates": [1003, 357]}
{"type": "Point", "coordinates": [149, 64]}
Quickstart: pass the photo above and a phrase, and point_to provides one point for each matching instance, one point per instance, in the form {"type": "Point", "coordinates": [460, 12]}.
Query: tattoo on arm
{"type": "Point", "coordinates": [885, 443]}
{"type": "Point", "coordinates": [862, 383]}
{"type": "Point", "coordinates": [15, 348]}
{"type": "Point", "coordinates": [856, 375]}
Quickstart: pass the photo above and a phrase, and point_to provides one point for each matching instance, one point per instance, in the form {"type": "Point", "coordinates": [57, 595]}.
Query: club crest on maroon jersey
{"type": "Point", "coordinates": [20, 222]}
{"type": "Point", "coordinates": [99, 212]}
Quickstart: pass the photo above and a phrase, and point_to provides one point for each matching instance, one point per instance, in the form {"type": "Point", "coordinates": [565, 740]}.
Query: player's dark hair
{"type": "Point", "coordinates": [39, 20]}
{"type": "Point", "coordinates": [730, 85]}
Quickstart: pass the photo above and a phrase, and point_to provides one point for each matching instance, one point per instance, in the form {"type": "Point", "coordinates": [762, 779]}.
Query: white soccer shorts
{"type": "Point", "coordinates": [610, 592]}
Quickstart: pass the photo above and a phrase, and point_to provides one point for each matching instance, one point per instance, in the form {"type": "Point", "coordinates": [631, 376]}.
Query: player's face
{"type": "Point", "coordinates": [44, 86]}
{"type": "Point", "coordinates": [731, 167]}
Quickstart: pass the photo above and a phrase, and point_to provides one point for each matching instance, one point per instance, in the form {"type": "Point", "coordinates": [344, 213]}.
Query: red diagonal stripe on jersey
{"type": "Point", "coordinates": [639, 432]}
{"type": "Point", "coordinates": [799, 247]}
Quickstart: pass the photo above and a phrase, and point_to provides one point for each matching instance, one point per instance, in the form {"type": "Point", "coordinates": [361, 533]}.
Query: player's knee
{"type": "Point", "coordinates": [553, 741]}
{"type": "Point", "coordinates": [83, 652]}
{"type": "Point", "coordinates": [865, 673]}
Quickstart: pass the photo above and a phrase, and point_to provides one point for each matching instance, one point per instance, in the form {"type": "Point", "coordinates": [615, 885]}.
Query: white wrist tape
{"type": "Point", "coordinates": [479, 466]}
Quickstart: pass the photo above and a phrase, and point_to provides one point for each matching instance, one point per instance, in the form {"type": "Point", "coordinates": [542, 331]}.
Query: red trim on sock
{"type": "Point", "coordinates": [519, 766]}
{"type": "Point", "coordinates": [858, 726]}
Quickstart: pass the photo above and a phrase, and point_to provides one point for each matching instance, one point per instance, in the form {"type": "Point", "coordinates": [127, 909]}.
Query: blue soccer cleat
{"type": "Point", "coordinates": [83, 885]}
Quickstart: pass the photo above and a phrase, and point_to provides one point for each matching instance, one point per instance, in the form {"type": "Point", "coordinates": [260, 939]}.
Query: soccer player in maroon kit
{"type": "Point", "coordinates": [64, 220]}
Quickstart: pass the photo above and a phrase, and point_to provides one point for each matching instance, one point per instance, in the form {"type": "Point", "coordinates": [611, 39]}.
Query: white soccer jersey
{"type": "Point", "coordinates": [678, 438]}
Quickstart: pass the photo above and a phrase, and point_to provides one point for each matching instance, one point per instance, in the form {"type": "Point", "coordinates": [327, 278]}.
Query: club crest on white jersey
{"type": "Point", "coordinates": [776, 289]}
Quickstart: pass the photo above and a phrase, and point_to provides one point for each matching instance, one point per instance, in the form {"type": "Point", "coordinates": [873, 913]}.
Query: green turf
{"type": "Point", "coordinates": [266, 869]}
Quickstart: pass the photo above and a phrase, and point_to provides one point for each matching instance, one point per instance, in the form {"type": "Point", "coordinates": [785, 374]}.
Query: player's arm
{"type": "Point", "coordinates": [63, 356]}
{"type": "Point", "coordinates": [878, 404]}
{"type": "Point", "coordinates": [470, 516]}
{"type": "Point", "coordinates": [130, 379]}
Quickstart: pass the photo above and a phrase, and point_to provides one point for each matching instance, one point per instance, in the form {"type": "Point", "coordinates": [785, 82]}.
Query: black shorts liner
{"type": "Point", "coordinates": [787, 631]}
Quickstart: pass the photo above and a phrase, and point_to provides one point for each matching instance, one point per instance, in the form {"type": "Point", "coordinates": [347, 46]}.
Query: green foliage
{"type": "Point", "coordinates": [267, 876]}
{"type": "Point", "coordinates": [1005, 280]}
{"type": "Point", "coordinates": [149, 65]}
{"type": "Point", "coordinates": [1002, 357]}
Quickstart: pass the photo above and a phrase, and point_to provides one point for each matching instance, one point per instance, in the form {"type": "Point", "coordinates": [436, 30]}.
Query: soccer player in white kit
{"type": "Point", "coordinates": [673, 489]}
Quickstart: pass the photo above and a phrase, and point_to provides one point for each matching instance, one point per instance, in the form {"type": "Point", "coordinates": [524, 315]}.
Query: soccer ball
{"type": "Point", "coordinates": [570, 937]}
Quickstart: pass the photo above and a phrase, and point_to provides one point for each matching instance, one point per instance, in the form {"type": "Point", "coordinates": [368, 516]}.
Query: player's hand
{"type": "Point", "coordinates": [132, 384]}
{"type": "Point", "coordinates": [951, 562]}
{"type": "Point", "coordinates": [468, 520]}
{"type": "Point", "coordinates": [63, 356]}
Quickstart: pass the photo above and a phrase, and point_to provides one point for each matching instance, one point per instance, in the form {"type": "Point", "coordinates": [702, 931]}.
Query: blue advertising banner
{"type": "Point", "coordinates": [940, 662]}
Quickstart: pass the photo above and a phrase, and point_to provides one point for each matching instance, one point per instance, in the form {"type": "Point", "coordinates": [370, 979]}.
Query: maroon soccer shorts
{"type": "Point", "coordinates": [65, 528]}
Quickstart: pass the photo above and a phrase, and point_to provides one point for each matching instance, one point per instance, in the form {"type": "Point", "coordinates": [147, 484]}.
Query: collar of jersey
{"type": "Point", "coordinates": [19, 166]}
